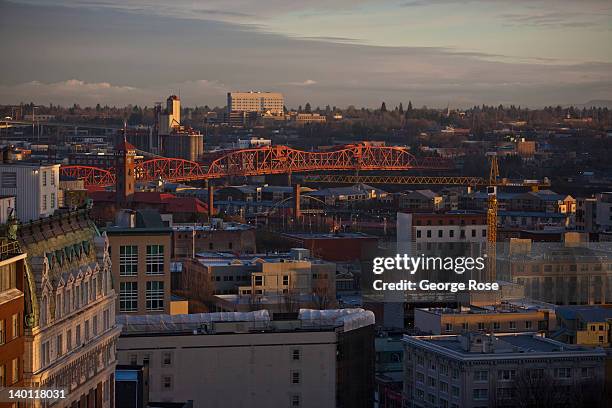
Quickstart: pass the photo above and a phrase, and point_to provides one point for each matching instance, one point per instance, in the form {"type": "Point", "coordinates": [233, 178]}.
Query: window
{"type": "Point", "coordinates": [106, 320]}
{"type": "Point", "coordinates": [44, 202]}
{"type": "Point", "coordinates": [15, 376]}
{"type": "Point", "coordinates": [15, 326]}
{"type": "Point", "coordinates": [443, 386]}
{"type": "Point", "coordinates": [455, 391]}
{"type": "Point", "coordinates": [78, 335]}
{"type": "Point", "coordinates": [128, 296]}
{"type": "Point", "coordinates": [563, 372]}
{"type": "Point", "coordinates": [506, 375]}
{"type": "Point", "coordinates": [481, 375]}
{"type": "Point", "coordinates": [155, 259]}
{"type": "Point", "coordinates": [133, 359]}
{"type": "Point", "coordinates": [428, 233]}
{"type": "Point", "coordinates": [512, 325]}
{"type": "Point", "coordinates": [455, 373]}
{"type": "Point", "coordinates": [95, 325]}
{"type": "Point", "coordinates": [52, 200]}
{"type": "Point", "coordinates": [52, 177]}
{"type": "Point", "coordinates": [440, 233]}
{"type": "Point", "coordinates": [9, 179]}
{"type": "Point", "coordinates": [45, 354]}
{"type": "Point", "coordinates": [431, 381]}
{"type": "Point", "coordinates": [155, 295]}
{"type": "Point", "coordinates": [587, 372]}
{"type": "Point", "coordinates": [295, 354]}
{"type": "Point", "coordinates": [449, 327]}
{"type": "Point", "coordinates": [167, 358]}
{"type": "Point", "coordinates": [418, 233]}
{"type": "Point", "coordinates": [496, 325]}
{"type": "Point", "coordinates": [481, 393]}
{"type": "Point", "coordinates": [69, 340]}
{"type": "Point", "coordinates": [481, 326]}
{"type": "Point", "coordinates": [44, 178]}
{"type": "Point", "coordinates": [295, 400]}
{"type": "Point", "coordinates": [465, 326]}
{"type": "Point", "coordinates": [128, 260]}
{"type": "Point", "coordinates": [528, 324]}
{"type": "Point", "coordinates": [167, 382]}
{"type": "Point", "coordinates": [59, 345]}
{"type": "Point", "coordinates": [295, 377]}
{"type": "Point", "coordinates": [285, 280]}
{"type": "Point", "coordinates": [258, 280]}
{"type": "Point", "coordinates": [86, 330]}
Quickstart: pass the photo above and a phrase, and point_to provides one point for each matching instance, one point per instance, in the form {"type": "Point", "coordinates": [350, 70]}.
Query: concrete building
{"type": "Point", "coordinates": [12, 272]}
{"type": "Point", "coordinates": [260, 102]}
{"type": "Point", "coordinates": [34, 186]}
{"type": "Point", "coordinates": [502, 370]}
{"type": "Point", "coordinates": [431, 228]}
{"type": "Point", "coordinates": [603, 216]}
{"type": "Point", "coordinates": [560, 273]}
{"type": "Point", "coordinates": [183, 143]}
{"type": "Point", "coordinates": [70, 331]}
{"type": "Point", "coordinates": [424, 201]}
{"type": "Point", "coordinates": [502, 318]}
{"type": "Point", "coordinates": [140, 247]}
{"type": "Point", "coordinates": [170, 117]}
{"type": "Point", "coordinates": [308, 359]}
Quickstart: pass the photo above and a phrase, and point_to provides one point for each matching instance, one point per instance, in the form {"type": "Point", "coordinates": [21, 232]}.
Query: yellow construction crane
{"type": "Point", "coordinates": [492, 216]}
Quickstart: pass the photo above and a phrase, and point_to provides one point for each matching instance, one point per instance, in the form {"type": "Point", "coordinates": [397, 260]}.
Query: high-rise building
{"type": "Point", "coordinates": [170, 118]}
{"type": "Point", "coordinates": [70, 331]}
{"type": "Point", "coordinates": [34, 186]}
{"type": "Point", "coordinates": [317, 358]}
{"type": "Point", "coordinates": [260, 102]}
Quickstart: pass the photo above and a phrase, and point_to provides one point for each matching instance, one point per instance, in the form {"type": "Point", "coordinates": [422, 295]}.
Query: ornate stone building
{"type": "Point", "coordinates": [70, 332]}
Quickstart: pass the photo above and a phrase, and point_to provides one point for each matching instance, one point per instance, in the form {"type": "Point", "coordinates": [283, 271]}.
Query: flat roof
{"type": "Point", "coordinates": [507, 345]}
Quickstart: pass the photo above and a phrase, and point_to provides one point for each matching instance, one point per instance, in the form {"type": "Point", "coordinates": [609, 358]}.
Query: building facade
{"type": "Point", "coordinates": [34, 186]}
{"type": "Point", "coordinates": [504, 370]}
{"type": "Point", "coordinates": [70, 329]}
{"type": "Point", "coordinates": [12, 270]}
{"type": "Point", "coordinates": [140, 253]}
{"type": "Point", "coordinates": [260, 102]}
{"type": "Point", "coordinates": [311, 359]}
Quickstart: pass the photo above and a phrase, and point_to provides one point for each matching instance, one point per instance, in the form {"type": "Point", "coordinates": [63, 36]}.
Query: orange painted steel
{"type": "Point", "coordinates": [267, 160]}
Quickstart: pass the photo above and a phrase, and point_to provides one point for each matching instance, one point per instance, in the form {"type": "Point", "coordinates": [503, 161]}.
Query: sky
{"type": "Point", "coordinates": [458, 53]}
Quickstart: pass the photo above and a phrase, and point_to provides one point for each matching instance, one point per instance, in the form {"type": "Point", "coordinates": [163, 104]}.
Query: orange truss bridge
{"type": "Point", "coordinates": [266, 160]}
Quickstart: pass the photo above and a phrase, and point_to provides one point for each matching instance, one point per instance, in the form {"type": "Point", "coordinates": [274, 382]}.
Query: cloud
{"type": "Point", "coordinates": [308, 82]}
{"type": "Point", "coordinates": [84, 93]}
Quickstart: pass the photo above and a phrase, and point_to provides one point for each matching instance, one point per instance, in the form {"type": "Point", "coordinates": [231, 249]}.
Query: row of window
{"type": "Point", "coordinates": [451, 233]}
{"type": "Point", "coordinates": [585, 267]}
{"type": "Point", "coordinates": [66, 343]}
{"type": "Point", "coordinates": [128, 296]}
{"type": "Point", "coordinates": [70, 299]}
{"type": "Point", "coordinates": [448, 327]}
{"type": "Point", "coordinates": [15, 329]}
{"type": "Point", "coordinates": [8, 379]}
{"type": "Point", "coordinates": [45, 204]}
{"type": "Point", "coordinates": [128, 260]}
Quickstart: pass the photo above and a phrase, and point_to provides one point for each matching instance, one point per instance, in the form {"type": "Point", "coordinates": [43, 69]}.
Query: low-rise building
{"type": "Point", "coordinates": [502, 370]}
{"type": "Point", "coordinates": [501, 318]}
{"type": "Point", "coordinates": [314, 358]}
{"type": "Point", "coordinates": [34, 186]}
{"type": "Point", "coordinates": [584, 325]}
{"type": "Point", "coordinates": [191, 239]}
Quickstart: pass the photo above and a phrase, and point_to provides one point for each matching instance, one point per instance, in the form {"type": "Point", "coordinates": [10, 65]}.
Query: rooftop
{"type": "Point", "coordinates": [257, 321]}
{"type": "Point", "coordinates": [476, 346]}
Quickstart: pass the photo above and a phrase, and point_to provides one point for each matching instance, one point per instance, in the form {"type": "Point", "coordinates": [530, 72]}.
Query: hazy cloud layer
{"type": "Point", "coordinates": [121, 52]}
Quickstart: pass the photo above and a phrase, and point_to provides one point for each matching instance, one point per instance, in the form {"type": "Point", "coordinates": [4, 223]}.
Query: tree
{"type": "Point", "coordinates": [383, 107]}
{"type": "Point", "coordinates": [307, 108]}
{"type": "Point", "coordinates": [401, 108]}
